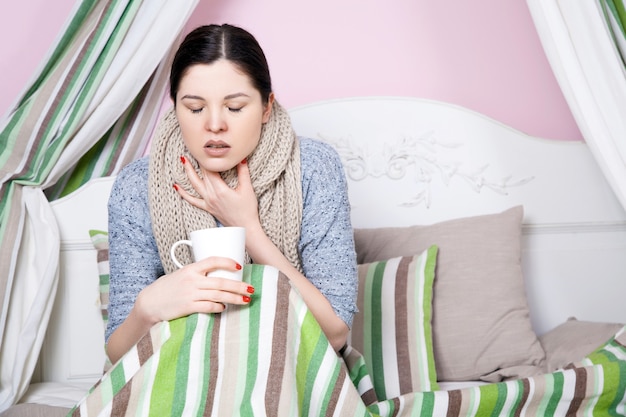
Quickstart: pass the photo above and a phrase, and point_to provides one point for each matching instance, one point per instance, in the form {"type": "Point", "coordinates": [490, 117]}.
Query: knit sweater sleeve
{"type": "Point", "coordinates": [327, 240]}
{"type": "Point", "coordinates": [133, 255]}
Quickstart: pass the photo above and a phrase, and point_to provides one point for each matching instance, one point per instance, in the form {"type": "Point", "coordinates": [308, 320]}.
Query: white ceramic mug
{"type": "Point", "coordinates": [227, 242]}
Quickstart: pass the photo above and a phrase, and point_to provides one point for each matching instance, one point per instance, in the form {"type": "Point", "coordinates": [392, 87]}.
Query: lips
{"type": "Point", "coordinates": [216, 144]}
{"type": "Point", "coordinates": [216, 149]}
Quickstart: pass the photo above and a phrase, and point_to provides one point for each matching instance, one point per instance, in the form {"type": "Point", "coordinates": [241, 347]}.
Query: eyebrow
{"type": "Point", "coordinates": [228, 97]}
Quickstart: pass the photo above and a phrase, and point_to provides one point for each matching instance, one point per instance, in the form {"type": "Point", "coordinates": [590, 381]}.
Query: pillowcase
{"type": "Point", "coordinates": [100, 240]}
{"type": "Point", "coordinates": [481, 322]}
{"type": "Point", "coordinates": [574, 339]}
{"type": "Point", "coordinates": [393, 327]}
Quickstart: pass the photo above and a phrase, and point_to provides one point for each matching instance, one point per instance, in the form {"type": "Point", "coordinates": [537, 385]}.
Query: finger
{"type": "Point", "coordinates": [202, 267]}
{"type": "Point", "coordinates": [224, 284]}
{"type": "Point", "coordinates": [192, 175]}
{"type": "Point", "coordinates": [212, 263]}
{"type": "Point", "coordinates": [215, 184]}
{"type": "Point", "coordinates": [243, 173]}
{"type": "Point", "coordinates": [194, 201]}
{"type": "Point", "coordinates": [208, 307]}
{"type": "Point", "coordinates": [223, 297]}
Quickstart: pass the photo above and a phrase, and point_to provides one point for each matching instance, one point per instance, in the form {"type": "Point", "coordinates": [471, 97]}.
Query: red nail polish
{"type": "Point", "coordinates": [245, 161]}
{"type": "Point", "coordinates": [250, 289]}
{"type": "Point", "coordinates": [238, 267]}
{"type": "Point", "coordinates": [175, 187]}
{"type": "Point", "coordinates": [246, 299]}
{"type": "Point", "coordinates": [183, 160]}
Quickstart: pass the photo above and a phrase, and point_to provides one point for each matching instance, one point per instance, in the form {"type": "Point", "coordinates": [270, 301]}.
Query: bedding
{"type": "Point", "coordinates": [395, 336]}
{"type": "Point", "coordinates": [307, 376]}
{"type": "Point", "coordinates": [481, 321]}
{"type": "Point", "coordinates": [574, 339]}
{"type": "Point", "coordinates": [355, 386]}
{"type": "Point", "coordinates": [394, 329]}
{"type": "Point", "coordinates": [35, 410]}
{"type": "Point", "coordinates": [211, 363]}
{"type": "Point", "coordinates": [304, 376]}
{"type": "Point", "coordinates": [100, 240]}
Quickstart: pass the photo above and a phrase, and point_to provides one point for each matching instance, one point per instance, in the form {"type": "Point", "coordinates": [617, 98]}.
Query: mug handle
{"type": "Point", "coordinates": [173, 250]}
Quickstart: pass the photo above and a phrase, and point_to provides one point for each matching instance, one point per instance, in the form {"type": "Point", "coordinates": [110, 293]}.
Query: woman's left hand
{"type": "Point", "coordinates": [231, 207]}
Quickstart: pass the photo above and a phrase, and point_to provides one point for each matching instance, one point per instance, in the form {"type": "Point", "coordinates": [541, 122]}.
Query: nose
{"type": "Point", "coordinates": [214, 121]}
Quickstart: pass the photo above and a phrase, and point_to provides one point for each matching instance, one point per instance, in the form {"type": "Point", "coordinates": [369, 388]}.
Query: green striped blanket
{"type": "Point", "coordinates": [271, 359]}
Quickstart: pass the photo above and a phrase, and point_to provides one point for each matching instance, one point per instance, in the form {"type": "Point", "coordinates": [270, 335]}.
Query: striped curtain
{"type": "Point", "coordinates": [615, 18]}
{"type": "Point", "coordinates": [89, 112]}
{"type": "Point", "coordinates": [615, 14]}
{"type": "Point", "coordinates": [585, 43]}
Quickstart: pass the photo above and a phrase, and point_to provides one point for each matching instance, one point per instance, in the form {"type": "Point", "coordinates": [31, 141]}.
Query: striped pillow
{"type": "Point", "coordinates": [393, 327]}
{"type": "Point", "coordinates": [100, 240]}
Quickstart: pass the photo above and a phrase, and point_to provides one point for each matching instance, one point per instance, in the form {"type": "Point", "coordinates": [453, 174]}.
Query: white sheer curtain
{"type": "Point", "coordinates": [98, 95]}
{"type": "Point", "coordinates": [584, 40]}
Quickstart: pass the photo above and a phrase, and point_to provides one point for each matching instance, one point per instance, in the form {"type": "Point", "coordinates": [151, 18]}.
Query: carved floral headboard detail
{"type": "Point", "coordinates": [425, 158]}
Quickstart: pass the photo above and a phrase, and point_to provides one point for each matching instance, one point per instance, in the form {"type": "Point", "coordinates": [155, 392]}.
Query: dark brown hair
{"type": "Point", "coordinates": [207, 44]}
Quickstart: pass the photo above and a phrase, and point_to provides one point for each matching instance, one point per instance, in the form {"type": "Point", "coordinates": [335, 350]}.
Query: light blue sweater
{"type": "Point", "coordinates": [326, 244]}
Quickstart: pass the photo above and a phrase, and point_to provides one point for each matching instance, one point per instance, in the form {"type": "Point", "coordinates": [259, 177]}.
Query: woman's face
{"type": "Point", "coordinates": [220, 114]}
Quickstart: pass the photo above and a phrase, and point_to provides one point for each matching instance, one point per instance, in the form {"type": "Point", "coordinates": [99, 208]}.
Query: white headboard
{"type": "Point", "coordinates": [409, 161]}
{"type": "Point", "coordinates": [416, 161]}
{"type": "Point", "coordinates": [420, 161]}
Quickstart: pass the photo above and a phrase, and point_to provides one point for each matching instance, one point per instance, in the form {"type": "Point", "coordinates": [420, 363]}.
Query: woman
{"type": "Point", "coordinates": [227, 155]}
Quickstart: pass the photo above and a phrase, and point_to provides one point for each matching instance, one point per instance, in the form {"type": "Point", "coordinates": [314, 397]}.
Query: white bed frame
{"type": "Point", "coordinates": [409, 161]}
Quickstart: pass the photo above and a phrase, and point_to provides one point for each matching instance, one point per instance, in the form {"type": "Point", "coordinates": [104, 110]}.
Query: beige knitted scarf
{"type": "Point", "coordinates": [274, 170]}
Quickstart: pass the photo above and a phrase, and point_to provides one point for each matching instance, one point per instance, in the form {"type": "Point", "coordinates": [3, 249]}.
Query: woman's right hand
{"type": "Point", "coordinates": [188, 290]}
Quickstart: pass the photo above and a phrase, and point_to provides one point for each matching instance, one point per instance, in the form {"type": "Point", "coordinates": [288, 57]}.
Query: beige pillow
{"type": "Point", "coordinates": [35, 410]}
{"type": "Point", "coordinates": [481, 324]}
{"type": "Point", "coordinates": [573, 340]}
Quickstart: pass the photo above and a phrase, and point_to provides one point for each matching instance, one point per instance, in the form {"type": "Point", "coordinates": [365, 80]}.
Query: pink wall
{"type": "Point", "coordinates": [484, 54]}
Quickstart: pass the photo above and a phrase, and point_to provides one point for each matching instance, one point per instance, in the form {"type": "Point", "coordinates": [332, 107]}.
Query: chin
{"type": "Point", "coordinates": [218, 166]}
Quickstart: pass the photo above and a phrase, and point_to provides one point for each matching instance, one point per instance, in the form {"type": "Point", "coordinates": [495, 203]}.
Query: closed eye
{"type": "Point", "coordinates": [235, 109]}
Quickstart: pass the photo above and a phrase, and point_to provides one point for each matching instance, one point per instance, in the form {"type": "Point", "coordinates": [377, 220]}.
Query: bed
{"type": "Point", "coordinates": [529, 241]}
